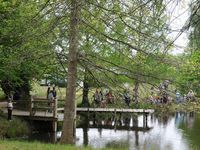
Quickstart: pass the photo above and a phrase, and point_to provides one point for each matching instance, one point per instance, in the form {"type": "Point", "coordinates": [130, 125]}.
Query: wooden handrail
{"type": "Point", "coordinates": [40, 98]}
{"type": "Point", "coordinates": [43, 100]}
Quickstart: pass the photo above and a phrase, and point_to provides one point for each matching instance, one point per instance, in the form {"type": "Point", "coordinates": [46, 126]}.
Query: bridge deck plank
{"type": "Point", "coordinates": [60, 116]}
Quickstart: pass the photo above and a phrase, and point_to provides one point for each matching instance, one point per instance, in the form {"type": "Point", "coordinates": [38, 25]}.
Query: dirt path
{"type": "Point", "coordinates": [3, 104]}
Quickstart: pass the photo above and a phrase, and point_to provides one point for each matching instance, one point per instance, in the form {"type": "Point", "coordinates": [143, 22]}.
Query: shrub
{"type": "Point", "coordinates": [12, 129]}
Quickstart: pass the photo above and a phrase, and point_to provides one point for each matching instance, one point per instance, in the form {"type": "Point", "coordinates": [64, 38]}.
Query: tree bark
{"type": "Point", "coordinates": [69, 124]}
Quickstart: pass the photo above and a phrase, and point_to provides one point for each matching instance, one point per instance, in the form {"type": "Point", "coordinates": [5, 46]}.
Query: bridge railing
{"type": "Point", "coordinates": [43, 104]}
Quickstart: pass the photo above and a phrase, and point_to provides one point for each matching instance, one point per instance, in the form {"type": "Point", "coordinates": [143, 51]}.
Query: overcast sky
{"type": "Point", "coordinates": [179, 13]}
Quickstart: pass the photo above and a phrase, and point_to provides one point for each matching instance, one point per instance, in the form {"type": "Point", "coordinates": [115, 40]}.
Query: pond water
{"type": "Point", "coordinates": [179, 131]}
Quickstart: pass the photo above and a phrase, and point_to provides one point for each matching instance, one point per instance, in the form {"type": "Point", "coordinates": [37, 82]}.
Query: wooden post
{"type": "Point", "coordinates": [146, 125]}
{"type": "Point", "coordinates": [88, 112]}
{"type": "Point", "coordinates": [53, 137]}
{"type": "Point", "coordinates": [115, 120]}
{"type": "Point", "coordinates": [55, 108]}
{"type": "Point", "coordinates": [54, 122]}
{"type": "Point", "coordinates": [115, 112]}
{"type": "Point", "coordinates": [31, 106]}
{"type": "Point", "coordinates": [144, 119]}
{"type": "Point", "coordinates": [94, 118]}
{"type": "Point", "coordinates": [54, 125]}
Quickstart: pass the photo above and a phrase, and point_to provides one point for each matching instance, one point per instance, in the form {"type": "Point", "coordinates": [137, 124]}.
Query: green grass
{"type": "Point", "coordinates": [12, 129]}
{"type": "Point", "coordinates": [41, 91]}
{"type": "Point", "coordinates": [22, 145]}
{"type": "Point", "coordinates": [19, 145]}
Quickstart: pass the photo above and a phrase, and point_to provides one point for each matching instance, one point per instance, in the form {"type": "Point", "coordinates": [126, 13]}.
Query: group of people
{"type": "Point", "coordinates": [163, 97]}
{"type": "Point", "coordinates": [51, 95]}
{"type": "Point", "coordinates": [190, 96]}
{"type": "Point", "coordinates": [100, 98]}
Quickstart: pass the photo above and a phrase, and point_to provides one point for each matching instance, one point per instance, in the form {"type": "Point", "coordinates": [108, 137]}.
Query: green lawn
{"type": "Point", "coordinates": [41, 91]}
{"type": "Point", "coordinates": [19, 145]}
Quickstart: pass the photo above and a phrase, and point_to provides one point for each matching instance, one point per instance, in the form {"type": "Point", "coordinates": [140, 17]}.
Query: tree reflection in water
{"type": "Point", "coordinates": [164, 132]}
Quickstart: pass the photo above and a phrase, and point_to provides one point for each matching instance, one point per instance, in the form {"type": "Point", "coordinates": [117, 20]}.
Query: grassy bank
{"type": "Point", "coordinates": [184, 107]}
{"type": "Point", "coordinates": [12, 129]}
{"type": "Point", "coordinates": [19, 145]}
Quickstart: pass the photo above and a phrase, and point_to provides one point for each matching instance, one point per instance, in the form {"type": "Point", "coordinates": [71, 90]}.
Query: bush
{"type": "Point", "coordinates": [12, 129]}
{"type": "Point", "coordinates": [4, 127]}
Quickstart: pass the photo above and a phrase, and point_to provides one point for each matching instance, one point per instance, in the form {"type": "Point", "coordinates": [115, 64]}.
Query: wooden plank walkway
{"type": "Point", "coordinates": [40, 112]}
{"type": "Point", "coordinates": [39, 115]}
{"type": "Point", "coordinates": [117, 110]}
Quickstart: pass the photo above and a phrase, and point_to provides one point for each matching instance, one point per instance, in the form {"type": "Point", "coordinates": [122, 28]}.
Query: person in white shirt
{"type": "Point", "coordinates": [10, 108]}
{"type": "Point", "coordinates": [190, 95]}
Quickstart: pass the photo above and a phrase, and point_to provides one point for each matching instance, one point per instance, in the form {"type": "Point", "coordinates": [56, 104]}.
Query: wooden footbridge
{"type": "Point", "coordinates": [44, 110]}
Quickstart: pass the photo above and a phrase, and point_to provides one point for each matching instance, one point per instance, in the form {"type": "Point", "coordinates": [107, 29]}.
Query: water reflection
{"type": "Point", "coordinates": [164, 132]}
{"type": "Point", "coordinates": [184, 118]}
{"type": "Point", "coordinates": [179, 131]}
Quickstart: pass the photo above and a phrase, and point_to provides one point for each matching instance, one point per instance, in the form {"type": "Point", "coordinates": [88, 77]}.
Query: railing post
{"type": "Point", "coordinates": [146, 117]}
{"type": "Point", "coordinates": [54, 122]}
{"type": "Point", "coordinates": [55, 108]}
{"type": "Point", "coordinates": [31, 106]}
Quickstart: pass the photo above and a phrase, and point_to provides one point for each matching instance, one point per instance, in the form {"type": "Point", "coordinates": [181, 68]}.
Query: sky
{"type": "Point", "coordinates": [179, 14]}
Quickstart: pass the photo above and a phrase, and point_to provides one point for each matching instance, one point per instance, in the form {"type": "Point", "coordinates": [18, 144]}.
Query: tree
{"type": "Point", "coordinates": [189, 70]}
{"type": "Point", "coordinates": [69, 123]}
{"type": "Point", "coordinates": [25, 50]}
{"type": "Point", "coordinates": [105, 23]}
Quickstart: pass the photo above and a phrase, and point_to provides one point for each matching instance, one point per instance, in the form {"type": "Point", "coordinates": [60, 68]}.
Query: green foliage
{"type": "Point", "coordinates": [13, 129]}
{"type": "Point", "coordinates": [25, 50]}
{"type": "Point", "coordinates": [190, 73]}
{"type": "Point", "coordinates": [190, 70]}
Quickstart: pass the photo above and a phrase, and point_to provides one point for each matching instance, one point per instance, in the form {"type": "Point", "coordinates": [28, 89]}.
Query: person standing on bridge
{"type": "Point", "coordinates": [50, 100]}
{"type": "Point", "coordinates": [54, 92]}
{"type": "Point", "coordinates": [10, 108]}
{"type": "Point", "coordinates": [48, 90]}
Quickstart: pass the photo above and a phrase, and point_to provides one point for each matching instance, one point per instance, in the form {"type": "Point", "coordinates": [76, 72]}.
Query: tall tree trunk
{"type": "Point", "coordinates": [69, 124]}
{"type": "Point", "coordinates": [136, 92]}
{"type": "Point", "coordinates": [85, 131]}
{"type": "Point", "coordinates": [85, 100]}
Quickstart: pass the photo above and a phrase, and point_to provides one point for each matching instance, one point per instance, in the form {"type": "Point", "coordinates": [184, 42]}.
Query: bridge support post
{"type": "Point", "coordinates": [54, 126]}
{"type": "Point", "coordinates": [115, 113]}
{"type": "Point", "coordinates": [146, 125]}
{"type": "Point", "coordinates": [145, 122]}
{"type": "Point", "coordinates": [88, 115]}
{"type": "Point", "coordinates": [31, 106]}
{"type": "Point", "coordinates": [55, 109]}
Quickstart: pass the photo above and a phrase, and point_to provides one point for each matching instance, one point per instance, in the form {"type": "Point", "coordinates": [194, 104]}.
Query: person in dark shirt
{"type": "Point", "coordinates": [48, 90]}
{"type": "Point", "coordinates": [54, 92]}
